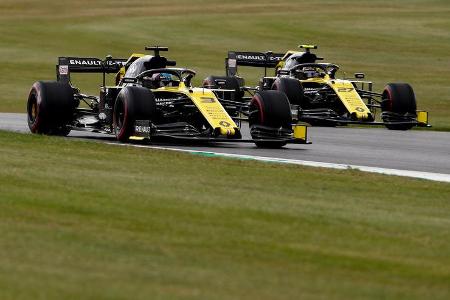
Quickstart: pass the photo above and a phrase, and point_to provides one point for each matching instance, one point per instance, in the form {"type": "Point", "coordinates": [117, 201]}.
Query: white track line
{"type": "Point", "coordinates": [406, 173]}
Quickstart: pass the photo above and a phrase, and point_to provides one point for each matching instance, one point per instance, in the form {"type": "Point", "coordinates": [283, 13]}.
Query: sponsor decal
{"type": "Point", "coordinates": [224, 124]}
{"type": "Point", "coordinates": [93, 62]}
{"type": "Point", "coordinates": [232, 63]}
{"type": "Point", "coordinates": [63, 70]}
{"type": "Point", "coordinates": [129, 80]}
{"type": "Point", "coordinates": [345, 90]}
{"type": "Point", "coordinates": [85, 62]}
{"type": "Point", "coordinates": [165, 101]}
{"type": "Point", "coordinates": [251, 57]}
{"type": "Point", "coordinates": [274, 58]}
{"type": "Point", "coordinates": [207, 100]}
{"type": "Point", "coordinates": [256, 57]}
{"type": "Point", "coordinates": [142, 129]}
{"type": "Point", "coordinates": [360, 109]}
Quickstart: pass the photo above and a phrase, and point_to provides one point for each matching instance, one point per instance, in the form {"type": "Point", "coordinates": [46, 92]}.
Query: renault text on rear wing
{"type": "Point", "coordinates": [67, 65]}
{"type": "Point", "coordinates": [250, 59]}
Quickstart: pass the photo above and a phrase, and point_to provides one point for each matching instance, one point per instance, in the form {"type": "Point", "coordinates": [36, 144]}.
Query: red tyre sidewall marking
{"type": "Point", "coordinates": [261, 108]}
{"type": "Point", "coordinates": [125, 119]}
{"type": "Point", "coordinates": [390, 106]}
{"type": "Point", "coordinates": [36, 91]}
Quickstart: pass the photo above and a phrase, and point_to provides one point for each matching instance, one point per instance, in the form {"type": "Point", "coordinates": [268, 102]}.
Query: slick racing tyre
{"type": "Point", "coordinates": [226, 83]}
{"type": "Point", "coordinates": [292, 88]}
{"type": "Point", "coordinates": [271, 110]}
{"type": "Point", "coordinates": [50, 108]}
{"type": "Point", "coordinates": [132, 103]}
{"type": "Point", "coordinates": [398, 99]}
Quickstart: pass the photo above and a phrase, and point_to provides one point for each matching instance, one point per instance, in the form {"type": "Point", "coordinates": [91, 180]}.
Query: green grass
{"type": "Point", "coordinates": [85, 220]}
{"type": "Point", "coordinates": [390, 41]}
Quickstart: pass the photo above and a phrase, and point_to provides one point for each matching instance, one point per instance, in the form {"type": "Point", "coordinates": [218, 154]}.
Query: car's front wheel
{"type": "Point", "coordinates": [270, 119]}
{"type": "Point", "coordinates": [398, 103]}
{"type": "Point", "coordinates": [132, 103]}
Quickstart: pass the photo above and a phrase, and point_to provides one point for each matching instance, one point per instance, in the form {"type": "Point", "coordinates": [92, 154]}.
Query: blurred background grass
{"type": "Point", "coordinates": [391, 41]}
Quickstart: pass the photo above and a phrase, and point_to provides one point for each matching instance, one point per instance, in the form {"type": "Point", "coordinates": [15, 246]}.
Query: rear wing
{"type": "Point", "coordinates": [250, 59]}
{"type": "Point", "coordinates": [67, 65]}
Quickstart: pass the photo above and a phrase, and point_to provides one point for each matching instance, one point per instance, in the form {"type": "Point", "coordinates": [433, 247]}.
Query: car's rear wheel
{"type": "Point", "coordinates": [226, 83]}
{"type": "Point", "coordinates": [132, 103]}
{"type": "Point", "coordinates": [398, 99]}
{"type": "Point", "coordinates": [50, 108]}
{"type": "Point", "coordinates": [292, 88]}
{"type": "Point", "coordinates": [270, 109]}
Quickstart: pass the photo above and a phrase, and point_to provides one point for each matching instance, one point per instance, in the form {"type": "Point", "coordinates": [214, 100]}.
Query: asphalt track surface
{"type": "Point", "coordinates": [414, 150]}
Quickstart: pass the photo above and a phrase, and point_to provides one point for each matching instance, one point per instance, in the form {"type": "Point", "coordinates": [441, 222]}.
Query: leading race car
{"type": "Point", "coordinates": [318, 97]}
{"type": "Point", "coordinates": [153, 100]}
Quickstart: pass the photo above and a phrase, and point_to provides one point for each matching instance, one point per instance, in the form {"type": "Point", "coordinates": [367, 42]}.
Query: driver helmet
{"type": "Point", "coordinates": [165, 78]}
{"type": "Point", "coordinates": [310, 72]}
{"type": "Point", "coordinates": [161, 79]}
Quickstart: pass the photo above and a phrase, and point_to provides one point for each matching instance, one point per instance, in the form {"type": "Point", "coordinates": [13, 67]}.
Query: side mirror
{"type": "Point", "coordinates": [360, 75]}
{"type": "Point", "coordinates": [187, 80]}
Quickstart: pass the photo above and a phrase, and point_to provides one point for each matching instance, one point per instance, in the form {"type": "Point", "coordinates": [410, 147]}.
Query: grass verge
{"type": "Point", "coordinates": [87, 220]}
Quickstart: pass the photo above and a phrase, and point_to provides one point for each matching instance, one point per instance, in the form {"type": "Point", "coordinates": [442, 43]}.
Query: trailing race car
{"type": "Point", "coordinates": [153, 101]}
{"type": "Point", "coordinates": [317, 97]}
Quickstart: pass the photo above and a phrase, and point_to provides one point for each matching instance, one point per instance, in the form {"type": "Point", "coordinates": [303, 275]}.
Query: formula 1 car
{"type": "Point", "coordinates": [154, 100]}
{"type": "Point", "coordinates": [317, 97]}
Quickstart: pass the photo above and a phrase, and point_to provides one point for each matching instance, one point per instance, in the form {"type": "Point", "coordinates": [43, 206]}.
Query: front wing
{"type": "Point", "coordinates": [328, 117]}
{"type": "Point", "coordinates": [144, 129]}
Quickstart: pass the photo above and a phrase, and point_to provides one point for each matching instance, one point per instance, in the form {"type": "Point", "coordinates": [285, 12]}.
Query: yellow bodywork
{"type": "Point", "coordinates": [281, 63]}
{"type": "Point", "coordinates": [345, 90]}
{"type": "Point", "coordinates": [300, 131]}
{"type": "Point", "coordinates": [204, 99]}
{"type": "Point", "coordinates": [137, 138]}
{"type": "Point", "coordinates": [422, 116]}
{"type": "Point", "coordinates": [206, 102]}
{"type": "Point", "coordinates": [350, 98]}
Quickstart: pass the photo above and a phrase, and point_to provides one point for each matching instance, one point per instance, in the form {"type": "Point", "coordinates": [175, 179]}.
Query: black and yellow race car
{"type": "Point", "coordinates": [317, 97]}
{"type": "Point", "coordinates": [151, 99]}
